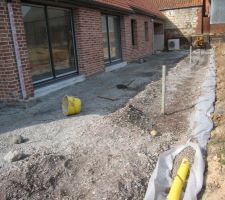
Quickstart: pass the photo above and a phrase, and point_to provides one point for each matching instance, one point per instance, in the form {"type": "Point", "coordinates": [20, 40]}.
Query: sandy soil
{"type": "Point", "coordinates": [215, 175]}
{"type": "Point", "coordinates": [111, 156]}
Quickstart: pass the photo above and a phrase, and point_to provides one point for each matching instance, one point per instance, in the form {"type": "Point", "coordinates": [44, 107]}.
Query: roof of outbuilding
{"type": "Point", "coordinates": [116, 3]}
{"type": "Point", "coordinates": [146, 6]}
{"type": "Point", "coordinates": [172, 4]}
{"type": "Point", "coordinates": [130, 5]}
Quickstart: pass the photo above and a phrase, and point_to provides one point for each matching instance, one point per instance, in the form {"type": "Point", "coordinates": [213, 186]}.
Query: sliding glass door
{"type": "Point", "coordinates": [111, 38]}
{"type": "Point", "coordinates": [50, 41]}
{"type": "Point", "coordinates": [37, 42]}
{"type": "Point", "coordinates": [61, 34]}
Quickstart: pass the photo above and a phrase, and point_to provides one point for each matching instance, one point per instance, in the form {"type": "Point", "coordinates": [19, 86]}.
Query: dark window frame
{"type": "Point", "coordinates": [75, 60]}
{"type": "Point", "coordinates": [134, 32]}
{"type": "Point", "coordinates": [110, 61]}
{"type": "Point", "coordinates": [146, 27]}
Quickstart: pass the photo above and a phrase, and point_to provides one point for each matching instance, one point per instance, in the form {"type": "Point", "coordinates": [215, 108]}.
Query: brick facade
{"type": "Point", "coordinates": [9, 80]}
{"type": "Point", "coordinates": [143, 47]}
{"type": "Point", "coordinates": [89, 40]}
{"type": "Point", "coordinates": [217, 28]}
{"type": "Point", "coordinates": [89, 43]}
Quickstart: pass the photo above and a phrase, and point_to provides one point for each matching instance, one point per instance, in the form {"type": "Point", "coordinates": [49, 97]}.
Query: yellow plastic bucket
{"type": "Point", "coordinates": [71, 105]}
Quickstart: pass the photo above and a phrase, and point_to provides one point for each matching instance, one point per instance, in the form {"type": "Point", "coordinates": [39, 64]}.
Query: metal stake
{"type": "Point", "coordinates": [190, 55]}
{"type": "Point", "coordinates": [163, 89]}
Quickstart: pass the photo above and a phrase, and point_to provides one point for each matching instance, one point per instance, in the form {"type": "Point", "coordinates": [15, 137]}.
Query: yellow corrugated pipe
{"type": "Point", "coordinates": [71, 105]}
{"type": "Point", "coordinates": [179, 180]}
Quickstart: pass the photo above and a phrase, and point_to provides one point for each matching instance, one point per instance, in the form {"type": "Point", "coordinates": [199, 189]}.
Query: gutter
{"type": "Point", "coordinates": [16, 49]}
{"type": "Point", "coordinates": [94, 4]}
{"type": "Point", "coordinates": [140, 11]}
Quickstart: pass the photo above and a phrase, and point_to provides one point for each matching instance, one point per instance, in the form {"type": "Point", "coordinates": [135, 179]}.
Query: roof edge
{"type": "Point", "coordinates": [143, 12]}
{"type": "Point", "coordinates": [94, 4]}
{"type": "Point", "coordinates": [176, 8]}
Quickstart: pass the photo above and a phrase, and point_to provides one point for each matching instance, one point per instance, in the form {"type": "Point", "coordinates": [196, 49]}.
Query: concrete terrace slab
{"type": "Point", "coordinates": [43, 91]}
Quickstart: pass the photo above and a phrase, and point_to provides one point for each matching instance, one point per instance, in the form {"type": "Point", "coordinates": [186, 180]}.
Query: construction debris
{"type": "Point", "coordinates": [16, 139]}
{"type": "Point", "coordinates": [108, 98]}
{"type": "Point", "coordinates": [101, 156]}
{"type": "Point", "coordinates": [154, 133]}
{"type": "Point", "coordinates": [13, 156]}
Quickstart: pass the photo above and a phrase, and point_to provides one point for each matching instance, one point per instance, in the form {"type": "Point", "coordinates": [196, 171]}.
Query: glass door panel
{"type": "Point", "coordinates": [114, 37]}
{"type": "Point", "coordinates": [37, 42]}
{"type": "Point", "coordinates": [111, 38]}
{"type": "Point", "coordinates": [61, 34]}
{"type": "Point", "coordinates": [105, 39]}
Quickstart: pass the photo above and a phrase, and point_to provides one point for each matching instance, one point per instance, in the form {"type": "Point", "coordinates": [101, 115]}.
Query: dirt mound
{"type": "Point", "coordinates": [39, 179]}
{"type": "Point", "coordinates": [136, 117]}
{"type": "Point", "coordinates": [79, 176]}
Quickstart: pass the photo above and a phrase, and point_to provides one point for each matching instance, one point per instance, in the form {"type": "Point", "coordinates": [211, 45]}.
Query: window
{"type": "Point", "coordinates": [50, 41]}
{"type": "Point", "coordinates": [146, 32]}
{"type": "Point", "coordinates": [134, 32]}
{"type": "Point", "coordinates": [111, 38]}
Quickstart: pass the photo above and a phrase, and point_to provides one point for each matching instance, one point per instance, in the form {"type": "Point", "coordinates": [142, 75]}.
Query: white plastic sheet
{"type": "Point", "coordinates": [201, 126]}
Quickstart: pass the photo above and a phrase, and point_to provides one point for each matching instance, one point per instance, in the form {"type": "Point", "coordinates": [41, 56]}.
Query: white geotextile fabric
{"type": "Point", "coordinates": [201, 126]}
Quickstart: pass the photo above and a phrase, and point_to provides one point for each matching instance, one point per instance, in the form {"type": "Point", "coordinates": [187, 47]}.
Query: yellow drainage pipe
{"type": "Point", "coordinates": [179, 180]}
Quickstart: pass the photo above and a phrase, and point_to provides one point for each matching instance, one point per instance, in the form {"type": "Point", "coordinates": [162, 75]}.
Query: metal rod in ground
{"type": "Point", "coordinates": [190, 55]}
{"type": "Point", "coordinates": [163, 89]}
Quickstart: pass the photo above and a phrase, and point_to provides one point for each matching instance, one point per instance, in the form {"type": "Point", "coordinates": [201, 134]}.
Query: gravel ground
{"type": "Point", "coordinates": [189, 154]}
{"type": "Point", "coordinates": [106, 152]}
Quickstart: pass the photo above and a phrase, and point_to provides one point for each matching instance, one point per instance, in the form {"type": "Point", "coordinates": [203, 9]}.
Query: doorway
{"type": "Point", "coordinates": [111, 39]}
{"type": "Point", "coordinates": [50, 41]}
{"type": "Point", "coordinates": [158, 37]}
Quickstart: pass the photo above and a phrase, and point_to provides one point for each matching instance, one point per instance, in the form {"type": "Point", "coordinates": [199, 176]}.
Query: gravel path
{"type": "Point", "coordinates": [105, 155]}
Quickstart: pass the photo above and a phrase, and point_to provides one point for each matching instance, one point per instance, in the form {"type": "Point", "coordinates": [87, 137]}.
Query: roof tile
{"type": "Point", "coordinates": [171, 4]}
{"type": "Point", "coordinates": [144, 5]}
{"type": "Point", "coordinates": [116, 3]}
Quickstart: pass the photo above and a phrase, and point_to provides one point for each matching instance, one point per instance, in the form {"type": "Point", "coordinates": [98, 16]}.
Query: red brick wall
{"type": "Point", "coordinates": [199, 27]}
{"type": "Point", "coordinates": [217, 28]}
{"type": "Point", "coordinates": [206, 25]}
{"type": "Point", "coordinates": [143, 47]}
{"type": "Point", "coordinates": [9, 81]}
{"type": "Point", "coordinates": [89, 40]}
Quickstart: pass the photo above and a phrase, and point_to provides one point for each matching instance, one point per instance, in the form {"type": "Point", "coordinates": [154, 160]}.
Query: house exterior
{"type": "Point", "coordinates": [43, 42]}
{"type": "Point", "coordinates": [187, 18]}
{"type": "Point", "coordinates": [217, 16]}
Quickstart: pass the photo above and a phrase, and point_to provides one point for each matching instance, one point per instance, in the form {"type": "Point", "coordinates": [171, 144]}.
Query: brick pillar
{"type": "Point", "coordinates": [199, 27]}
{"type": "Point", "coordinates": [126, 42]}
{"type": "Point", "coordinates": [89, 40]}
{"type": "Point", "coordinates": [9, 81]}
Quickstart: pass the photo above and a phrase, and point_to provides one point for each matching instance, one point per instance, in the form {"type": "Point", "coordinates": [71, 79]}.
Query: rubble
{"type": "Point", "coordinates": [16, 139]}
{"type": "Point", "coordinates": [13, 156]}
